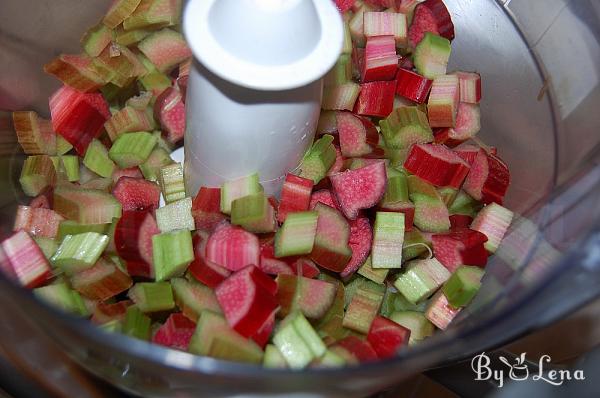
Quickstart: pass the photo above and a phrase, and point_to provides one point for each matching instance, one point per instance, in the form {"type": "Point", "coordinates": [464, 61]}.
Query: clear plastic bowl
{"type": "Point", "coordinates": [541, 70]}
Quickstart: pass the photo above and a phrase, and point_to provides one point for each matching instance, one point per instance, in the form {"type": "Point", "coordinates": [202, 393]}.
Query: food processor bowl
{"type": "Point", "coordinates": [540, 63]}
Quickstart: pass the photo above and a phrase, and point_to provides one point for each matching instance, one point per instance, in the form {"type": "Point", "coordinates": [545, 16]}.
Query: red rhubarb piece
{"type": "Point", "coordinates": [380, 59]}
{"type": "Point", "coordinates": [78, 117]}
{"type": "Point", "coordinates": [467, 152]}
{"type": "Point", "coordinates": [176, 332]}
{"type": "Point", "coordinates": [169, 110]}
{"type": "Point", "coordinates": [360, 349]}
{"type": "Point", "coordinates": [24, 260]}
{"type": "Point", "coordinates": [295, 196]}
{"type": "Point", "coordinates": [262, 335]}
{"type": "Point", "coordinates": [430, 16]}
{"type": "Point", "coordinates": [206, 209]}
{"type": "Point", "coordinates": [133, 172]}
{"type": "Point", "coordinates": [233, 247]}
{"type": "Point", "coordinates": [467, 126]}
{"type": "Point", "coordinates": [133, 241]}
{"type": "Point", "coordinates": [207, 272]}
{"type": "Point", "coordinates": [245, 301]}
{"type": "Point", "coordinates": [271, 265]}
{"type": "Point", "coordinates": [358, 136]}
{"type": "Point", "coordinates": [412, 86]}
{"type": "Point", "coordinates": [470, 87]}
{"type": "Point", "coordinates": [331, 249]}
{"type": "Point", "coordinates": [387, 337]}
{"type": "Point", "coordinates": [344, 5]}
{"type": "Point", "coordinates": [460, 247]}
{"type": "Point", "coordinates": [376, 99]}
{"type": "Point", "coordinates": [359, 189]}
{"type": "Point", "coordinates": [324, 196]}
{"type": "Point", "coordinates": [361, 238]}
{"type": "Point", "coordinates": [460, 221]}
{"type": "Point", "coordinates": [306, 268]}
{"type": "Point", "coordinates": [312, 297]}
{"type": "Point", "coordinates": [37, 221]}
{"type": "Point", "coordinates": [437, 165]}
{"type": "Point", "coordinates": [488, 178]}
{"type": "Point", "coordinates": [137, 194]}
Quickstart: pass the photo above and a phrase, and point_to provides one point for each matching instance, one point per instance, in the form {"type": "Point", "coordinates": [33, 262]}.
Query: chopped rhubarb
{"type": "Point", "coordinates": [493, 221]}
{"type": "Point", "coordinates": [387, 337]}
{"type": "Point", "coordinates": [432, 55]}
{"type": "Point", "coordinates": [460, 247]}
{"type": "Point", "coordinates": [295, 196]}
{"type": "Point", "coordinates": [362, 309]}
{"type": "Point", "coordinates": [119, 11]}
{"type": "Point", "coordinates": [376, 99]}
{"type": "Point", "coordinates": [412, 86]}
{"type": "Point", "coordinates": [154, 14]}
{"type": "Point", "coordinates": [254, 213]}
{"type": "Point", "coordinates": [421, 279]}
{"type": "Point", "coordinates": [37, 175]}
{"type": "Point", "coordinates": [169, 110]}
{"type": "Point", "coordinates": [171, 182]}
{"type": "Point", "coordinates": [133, 241]}
{"type": "Point", "coordinates": [206, 209]}
{"type": "Point", "coordinates": [331, 249]}
{"type": "Point", "coordinates": [194, 298]}
{"type": "Point", "coordinates": [430, 16]}
{"type": "Point", "coordinates": [470, 87]}
{"type": "Point", "coordinates": [165, 49]}
{"type": "Point", "coordinates": [312, 297]}
{"type": "Point", "coordinates": [75, 71]}
{"type": "Point", "coordinates": [232, 247]}
{"type": "Point", "coordinates": [128, 120]}
{"type": "Point", "coordinates": [102, 281]}
{"type": "Point", "coordinates": [463, 285]}
{"type": "Point", "coordinates": [37, 221]}
{"type": "Point", "coordinates": [386, 24]}
{"type": "Point", "coordinates": [172, 252]}
{"type": "Point", "coordinates": [207, 272]}
{"type": "Point", "coordinates": [24, 260]}
{"type": "Point", "coordinates": [360, 349]}
{"type": "Point", "coordinates": [406, 126]}
{"type": "Point", "coordinates": [175, 216]}
{"type": "Point", "coordinates": [437, 165]}
{"type": "Point", "coordinates": [358, 136]}
{"type": "Point", "coordinates": [137, 194]}
{"type": "Point", "coordinates": [439, 311]}
{"type": "Point", "coordinates": [238, 188]}
{"type": "Point", "coordinates": [467, 126]}
{"type": "Point", "coordinates": [176, 332]}
{"type": "Point", "coordinates": [431, 213]}
{"type": "Point", "coordinates": [271, 265]}
{"type": "Point", "coordinates": [340, 97]}
{"type": "Point", "coordinates": [87, 206]}
{"type": "Point", "coordinates": [442, 106]}
{"type": "Point", "coordinates": [388, 236]}
{"type": "Point", "coordinates": [488, 178]}
{"type": "Point", "coordinates": [297, 234]}
{"type": "Point", "coordinates": [35, 135]}
{"type": "Point", "coordinates": [381, 61]}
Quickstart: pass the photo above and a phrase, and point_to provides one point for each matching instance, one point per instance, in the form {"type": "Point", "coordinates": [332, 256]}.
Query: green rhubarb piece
{"type": "Point", "coordinates": [319, 159]}
{"type": "Point", "coordinates": [70, 164]}
{"type": "Point", "coordinates": [63, 297]}
{"type": "Point", "coordinates": [37, 174]}
{"type": "Point", "coordinates": [414, 245]}
{"type": "Point", "coordinates": [297, 234]}
{"type": "Point", "coordinates": [464, 204]}
{"type": "Point", "coordinates": [132, 149]}
{"type": "Point", "coordinates": [396, 189]}
{"type": "Point", "coordinates": [157, 160]}
{"type": "Point", "coordinates": [156, 82]}
{"type": "Point", "coordinates": [362, 310]}
{"type": "Point", "coordinates": [193, 297]}
{"type": "Point", "coordinates": [254, 213]}
{"type": "Point", "coordinates": [376, 275]}
{"type": "Point", "coordinates": [420, 327]}
{"type": "Point", "coordinates": [431, 55]}
{"type": "Point", "coordinates": [154, 14]}
{"type": "Point", "coordinates": [238, 188]}
{"type": "Point", "coordinates": [393, 301]}
{"type": "Point", "coordinates": [69, 227]}
{"type": "Point", "coordinates": [340, 97]}
{"type": "Point", "coordinates": [136, 324]}
{"type": "Point", "coordinates": [118, 65]}
{"type": "Point", "coordinates": [127, 120]}
{"type": "Point", "coordinates": [119, 11]}
{"type": "Point", "coordinates": [463, 285]}
{"type": "Point", "coordinates": [388, 236]}
{"type": "Point", "coordinates": [209, 324]}
{"type": "Point", "coordinates": [330, 359]}
{"type": "Point", "coordinates": [172, 252]}
{"type": "Point", "coordinates": [340, 73]}
{"type": "Point", "coordinates": [273, 359]}
{"type": "Point", "coordinates": [86, 206]}
{"type": "Point", "coordinates": [448, 194]}
{"type": "Point", "coordinates": [229, 345]}
{"type": "Point", "coordinates": [156, 45]}
{"type": "Point", "coordinates": [152, 297]}
{"type": "Point", "coordinates": [96, 159]}
{"type": "Point", "coordinates": [175, 215]}
{"type": "Point", "coordinates": [404, 127]}
{"type": "Point", "coordinates": [130, 37]}
{"type": "Point", "coordinates": [421, 279]}
{"type": "Point", "coordinates": [331, 323]}
{"type": "Point", "coordinates": [162, 143]}
{"type": "Point", "coordinates": [493, 221]}
{"type": "Point", "coordinates": [297, 341]}
{"type": "Point", "coordinates": [47, 245]}
{"type": "Point", "coordinates": [79, 252]}
{"type": "Point", "coordinates": [431, 214]}
{"type": "Point", "coordinates": [171, 182]}
{"type": "Point", "coordinates": [95, 40]}
{"type": "Point", "coordinates": [62, 146]}
{"type": "Point", "coordinates": [359, 282]}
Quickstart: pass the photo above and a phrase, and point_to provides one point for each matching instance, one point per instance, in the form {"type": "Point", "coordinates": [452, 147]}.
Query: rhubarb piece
{"type": "Point", "coordinates": [273, 358]}
{"type": "Point", "coordinates": [62, 297]}
{"type": "Point", "coordinates": [209, 325]}
{"type": "Point", "coordinates": [38, 173]}
{"type": "Point", "coordinates": [419, 326]}
{"type": "Point", "coordinates": [133, 241]}
{"type": "Point", "coordinates": [35, 135]}
{"type": "Point", "coordinates": [341, 97]}
{"type": "Point", "coordinates": [66, 167]}
{"type": "Point", "coordinates": [297, 234]}
{"type": "Point", "coordinates": [68, 227]}
{"type": "Point", "coordinates": [381, 61]}
{"type": "Point", "coordinates": [470, 87]}
{"type": "Point", "coordinates": [327, 123]}
{"type": "Point", "coordinates": [246, 303]}
{"type": "Point", "coordinates": [396, 189]}
{"type": "Point", "coordinates": [206, 209]}
{"type": "Point", "coordinates": [271, 265]}
{"type": "Point", "coordinates": [306, 267]}
{"type": "Point", "coordinates": [330, 324]}
{"type": "Point", "coordinates": [132, 172]}
{"type": "Point", "coordinates": [75, 71]}
{"type": "Point", "coordinates": [232, 247]}
{"type": "Point", "coordinates": [421, 279]}
{"type": "Point", "coordinates": [356, 24]}
{"type": "Point", "coordinates": [207, 272]}
{"type": "Point", "coordinates": [463, 285]}
{"type": "Point", "coordinates": [341, 72]}
{"type": "Point", "coordinates": [412, 86]}
{"type": "Point", "coordinates": [172, 252]}
{"type": "Point", "coordinates": [158, 158]}
{"type": "Point", "coordinates": [102, 281]}
{"type": "Point", "coordinates": [176, 332]}
{"type": "Point", "coordinates": [393, 301]}
{"type": "Point", "coordinates": [362, 309]}
{"type": "Point", "coordinates": [360, 240]}
{"type": "Point", "coordinates": [388, 236]}
{"type": "Point", "coordinates": [86, 206]}
{"type": "Point", "coordinates": [175, 215]}
{"type": "Point", "coordinates": [24, 261]}
{"type": "Point", "coordinates": [165, 49]}
{"type": "Point", "coordinates": [263, 334]}
{"type": "Point", "coordinates": [387, 337]}
{"type": "Point", "coordinates": [194, 298]}
{"type": "Point", "coordinates": [96, 159]}
{"type": "Point", "coordinates": [460, 221]}
{"type": "Point", "coordinates": [229, 345]}
{"type": "Point", "coordinates": [127, 120]}
{"type": "Point", "coordinates": [431, 56]}
{"type": "Point", "coordinates": [104, 313]}
{"type": "Point", "coordinates": [38, 222]}
{"type": "Point", "coordinates": [431, 213]}
{"type": "Point", "coordinates": [119, 65]}
{"type": "Point", "coordinates": [405, 207]}
{"type": "Point", "coordinates": [430, 16]}
{"type": "Point", "coordinates": [119, 11]}
{"type": "Point", "coordinates": [154, 14]}
{"type": "Point", "coordinates": [467, 126]}
{"type": "Point", "coordinates": [331, 250]}
{"type": "Point", "coordinates": [323, 196]}
{"type": "Point", "coordinates": [238, 188]}
{"type": "Point", "coordinates": [439, 311]}
{"type": "Point", "coordinates": [96, 39]}
{"type": "Point", "coordinates": [442, 106]}
{"type": "Point", "coordinates": [376, 98]}
{"type": "Point", "coordinates": [488, 178]}
{"type": "Point", "coordinates": [460, 247]}
{"type": "Point", "coordinates": [464, 204]}
{"type": "Point", "coordinates": [78, 117]}
{"type": "Point", "coordinates": [404, 127]}
{"type": "Point", "coordinates": [79, 252]}
{"type": "Point", "coordinates": [137, 194]}
{"type": "Point", "coordinates": [169, 110]}
{"type": "Point", "coordinates": [407, 7]}
{"type": "Point", "coordinates": [48, 246]}
{"type": "Point", "coordinates": [493, 221]}
{"type": "Point", "coordinates": [376, 275]}
{"type": "Point", "coordinates": [319, 159]}
{"type": "Point", "coordinates": [152, 296]}
{"type": "Point", "coordinates": [155, 82]}
{"type": "Point", "coordinates": [386, 24]}
{"type": "Point", "coordinates": [311, 297]}
{"type": "Point", "coordinates": [437, 165]}
{"type": "Point", "coordinates": [359, 189]}
{"type": "Point", "coordinates": [132, 149]}
{"type": "Point", "coordinates": [171, 182]}
{"type": "Point", "coordinates": [297, 341]}
{"type": "Point", "coordinates": [128, 38]}
{"type": "Point", "coordinates": [136, 324]}
{"type": "Point", "coordinates": [254, 213]}
{"type": "Point", "coordinates": [359, 349]}
{"type": "Point", "coordinates": [295, 196]}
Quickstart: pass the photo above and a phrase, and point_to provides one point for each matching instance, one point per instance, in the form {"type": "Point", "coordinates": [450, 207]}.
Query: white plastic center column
{"type": "Point", "coordinates": [255, 86]}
